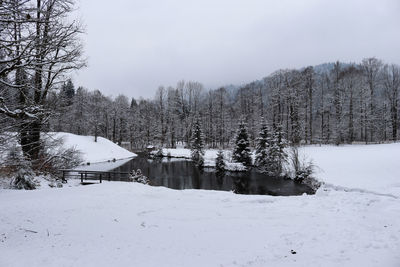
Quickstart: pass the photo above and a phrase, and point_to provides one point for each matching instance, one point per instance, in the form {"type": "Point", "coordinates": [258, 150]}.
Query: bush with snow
{"type": "Point", "coordinates": [30, 175]}
{"type": "Point", "coordinates": [55, 156]}
{"type": "Point", "coordinates": [159, 153]}
{"type": "Point", "coordinates": [301, 170]}
{"type": "Point", "coordinates": [24, 178]}
{"type": "Point", "coordinates": [138, 177]}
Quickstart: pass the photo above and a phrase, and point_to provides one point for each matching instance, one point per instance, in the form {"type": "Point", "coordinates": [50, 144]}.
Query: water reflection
{"type": "Point", "coordinates": [183, 174]}
{"type": "Point", "coordinates": [241, 185]}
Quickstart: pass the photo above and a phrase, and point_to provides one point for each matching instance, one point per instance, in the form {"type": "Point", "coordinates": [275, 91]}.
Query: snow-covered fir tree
{"type": "Point", "coordinates": [220, 165]}
{"type": "Point", "coordinates": [262, 149]}
{"type": "Point", "coordinates": [241, 152]}
{"type": "Point", "coordinates": [197, 145]}
{"type": "Point", "coordinates": [277, 154]}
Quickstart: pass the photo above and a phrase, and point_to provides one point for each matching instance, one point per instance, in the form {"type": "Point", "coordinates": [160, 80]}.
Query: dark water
{"type": "Point", "coordinates": [183, 174]}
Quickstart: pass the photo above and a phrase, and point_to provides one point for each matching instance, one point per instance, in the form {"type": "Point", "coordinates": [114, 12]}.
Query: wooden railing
{"type": "Point", "coordinates": [86, 175]}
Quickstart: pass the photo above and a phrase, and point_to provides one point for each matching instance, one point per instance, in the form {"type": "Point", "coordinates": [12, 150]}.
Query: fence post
{"type": "Point", "coordinates": [109, 176]}
{"type": "Point", "coordinates": [82, 177]}
{"type": "Point", "coordinates": [100, 177]}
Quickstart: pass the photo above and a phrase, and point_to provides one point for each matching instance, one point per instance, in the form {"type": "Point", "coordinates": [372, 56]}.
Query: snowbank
{"type": "Point", "coordinates": [363, 167]}
{"type": "Point", "coordinates": [129, 224]}
{"type": "Point", "coordinates": [100, 151]}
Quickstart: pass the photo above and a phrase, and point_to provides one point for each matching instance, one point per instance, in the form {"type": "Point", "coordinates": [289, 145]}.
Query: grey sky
{"type": "Point", "coordinates": [134, 46]}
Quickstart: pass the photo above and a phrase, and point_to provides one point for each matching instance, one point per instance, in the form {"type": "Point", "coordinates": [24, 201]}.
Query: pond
{"type": "Point", "coordinates": [183, 174]}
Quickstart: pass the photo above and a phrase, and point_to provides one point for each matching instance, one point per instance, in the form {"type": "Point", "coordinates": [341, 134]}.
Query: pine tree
{"type": "Point", "coordinates": [197, 146]}
{"type": "Point", "coordinates": [262, 149]}
{"type": "Point", "coordinates": [277, 154]}
{"type": "Point", "coordinates": [67, 93]}
{"type": "Point", "coordinates": [220, 165]}
{"type": "Point", "coordinates": [241, 152]}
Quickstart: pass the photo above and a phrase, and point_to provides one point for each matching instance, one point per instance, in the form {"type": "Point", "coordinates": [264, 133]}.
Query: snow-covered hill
{"type": "Point", "coordinates": [102, 150]}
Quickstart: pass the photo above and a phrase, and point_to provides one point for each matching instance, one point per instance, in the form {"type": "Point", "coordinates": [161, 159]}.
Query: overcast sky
{"type": "Point", "coordinates": [134, 46]}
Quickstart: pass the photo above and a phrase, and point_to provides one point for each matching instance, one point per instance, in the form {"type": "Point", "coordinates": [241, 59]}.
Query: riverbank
{"type": "Point", "coordinates": [354, 167]}
{"type": "Point", "coordinates": [209, 157]}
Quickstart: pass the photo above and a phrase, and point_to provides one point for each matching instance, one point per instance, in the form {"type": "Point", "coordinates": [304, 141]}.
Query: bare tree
{"type": "Point", "coordinates": [391, 81]}
{"type": "Point", "coordinates": [371, 68]}
{"type": "Point", "coordinates": [40, 45]}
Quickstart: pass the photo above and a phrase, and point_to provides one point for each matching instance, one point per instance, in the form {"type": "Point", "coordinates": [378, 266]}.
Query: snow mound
{"type": "Point", "coordinates": [373, 168]}
{"type": "Point", "coordinates": [100, 151]}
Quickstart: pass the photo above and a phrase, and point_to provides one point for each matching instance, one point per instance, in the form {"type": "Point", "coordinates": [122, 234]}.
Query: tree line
{"type": "Point", "coordinates": [333, 103]}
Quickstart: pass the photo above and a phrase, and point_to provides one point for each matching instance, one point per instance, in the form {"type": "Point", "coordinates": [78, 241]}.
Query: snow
{"type": "Point", "coordinates": [209, 157]}
{"type": "Point", "coordinates": [360, 167]}
{"type": "Point", "coordinates": [100, 151]}
{"type": "Point", "coordinates": [129, 224]}
{"type": "Point", "coordinates": [352, 220]}
{"type": "Point", "coordinates": [103, 166]}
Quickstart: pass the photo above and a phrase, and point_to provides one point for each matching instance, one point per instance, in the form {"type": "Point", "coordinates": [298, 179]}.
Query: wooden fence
{"type": "Point", "coordinates": [86, 175]}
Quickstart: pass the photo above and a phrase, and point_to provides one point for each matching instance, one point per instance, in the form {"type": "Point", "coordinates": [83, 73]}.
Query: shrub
{"type": "Point", "coordinates": [55, 156]}
{"type": "Point", "coordinates": [302, 171]}
{"type": "Point", "coordinates": [24, 178]}
{"type": "Point", "coordinates": [159, 153]}
{"type": "Point", "coordinates": [138, 177]}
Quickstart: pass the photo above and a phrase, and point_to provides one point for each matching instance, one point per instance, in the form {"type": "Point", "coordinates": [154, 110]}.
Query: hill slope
{"type": "Point", "coordinates": [102, 150]}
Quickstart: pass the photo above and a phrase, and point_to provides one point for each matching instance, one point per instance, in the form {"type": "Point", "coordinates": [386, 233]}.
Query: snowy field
{"type": "Point", "coordinates": [353, 220]}
{"type": "Point", "coordinates": [365, 167]}
{"type": "Point", "coordinates": [126, 224]}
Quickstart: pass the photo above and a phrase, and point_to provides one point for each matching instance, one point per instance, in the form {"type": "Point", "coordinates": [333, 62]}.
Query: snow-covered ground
{"type": "Point", "coordinates": [100, 151]}
{"type": "Point", "coordinates": [353, 220]}
{"type": "Point", "coordinates": [365, 167]}
{"type": "Point", "coordinates": [129, 224]}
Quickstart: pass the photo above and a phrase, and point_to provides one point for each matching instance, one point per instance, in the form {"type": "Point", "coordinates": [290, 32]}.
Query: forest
{"type": "Point", "coordinates": [333, 103]}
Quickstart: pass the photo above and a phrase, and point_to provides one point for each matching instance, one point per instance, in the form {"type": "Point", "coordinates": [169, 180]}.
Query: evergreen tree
{"type": "Point", "coordinates": [241, 152]}
{"type": "Point", "coordinates": [277, 154]}
{"type": "Point", "coordinates": [220, 165]}
{"type": "Point", "coordinates": [262, 149]}
{"type": "Point", "coordinates": [197, 146]}
{"type": "Point", "coordinates": [67, 93]}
